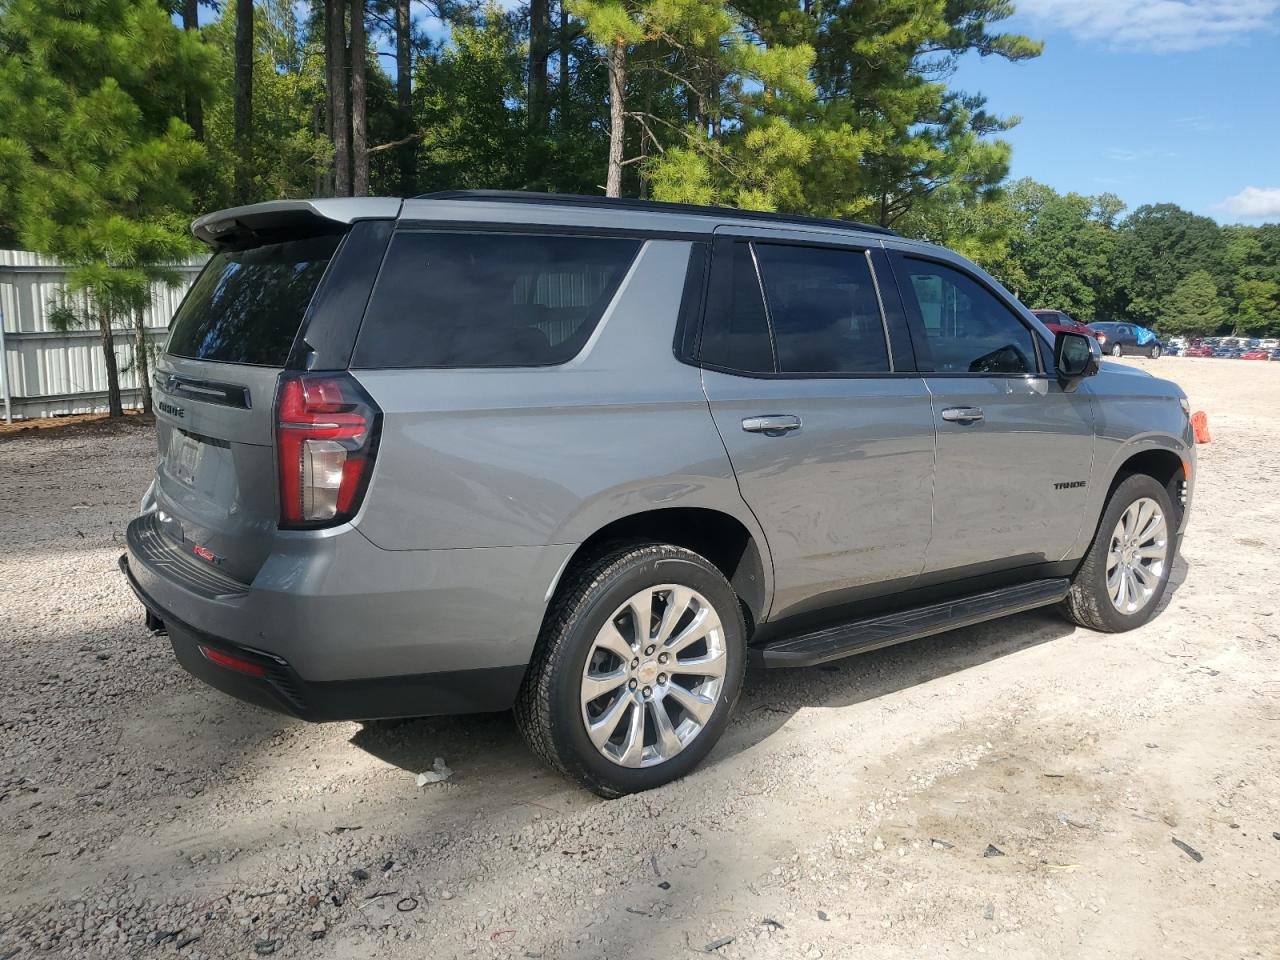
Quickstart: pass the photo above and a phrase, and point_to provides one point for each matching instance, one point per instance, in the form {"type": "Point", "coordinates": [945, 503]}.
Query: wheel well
{"type": "Point", "coordinates": [1164, 466]}
{"type": "Point", "coordinates": [719, 537]}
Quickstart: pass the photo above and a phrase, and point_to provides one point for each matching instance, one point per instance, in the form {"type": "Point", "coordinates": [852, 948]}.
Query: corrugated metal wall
{"type": "Point", "coordinates": [48, 372]}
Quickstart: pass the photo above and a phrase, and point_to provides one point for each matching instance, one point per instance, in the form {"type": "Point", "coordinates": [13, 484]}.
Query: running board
{"type": "Point", "coordinates": [846, 639]}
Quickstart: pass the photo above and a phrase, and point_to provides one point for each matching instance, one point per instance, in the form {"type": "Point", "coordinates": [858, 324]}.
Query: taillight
{"type": "Point", "coordinates": [326, 438]}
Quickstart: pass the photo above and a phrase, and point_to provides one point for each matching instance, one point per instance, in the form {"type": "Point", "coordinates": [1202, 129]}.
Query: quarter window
{"type": "Point", "coordinates": [489, 300]}
{"type": "Point", "coordinates": [966, 328]}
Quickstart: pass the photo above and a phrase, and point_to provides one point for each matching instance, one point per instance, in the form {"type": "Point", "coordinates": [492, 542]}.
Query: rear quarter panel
{"type": "Point", "coordinates": [538, 456]}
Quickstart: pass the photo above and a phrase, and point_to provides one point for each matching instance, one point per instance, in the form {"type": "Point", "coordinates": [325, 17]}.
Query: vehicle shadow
{"type": "Point", "coordinates": [769, 698]}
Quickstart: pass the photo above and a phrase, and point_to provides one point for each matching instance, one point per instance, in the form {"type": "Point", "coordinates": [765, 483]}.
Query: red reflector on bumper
{"type": "Point", "coordinates": [232, 663]}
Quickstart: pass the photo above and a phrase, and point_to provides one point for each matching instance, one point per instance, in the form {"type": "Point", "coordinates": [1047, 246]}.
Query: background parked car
{"type": "Point", "coordinates": [1200, 350]}
{"type": "Point", "coordinates": [1060, 322]}
{"type": "Point", "coordinates": [1127, 339]}
{"type": "Point", "coordinates": [1255, 353]}
{"type": "Point", "coordinates": [1275, 354]}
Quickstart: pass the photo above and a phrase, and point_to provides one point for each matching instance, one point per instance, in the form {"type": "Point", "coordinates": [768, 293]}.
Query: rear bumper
{"type": "Point", "coordinates": [282, 689]}
{"type": "Point", "coordinates": [346, 630]}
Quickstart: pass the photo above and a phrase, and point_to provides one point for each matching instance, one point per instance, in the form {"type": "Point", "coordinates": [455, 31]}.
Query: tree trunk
{"type": "Point", "coordinates": [243, 100]}
{"type": "Point", "coordinates": [407, 154]}
{"type": "Point", "coordinates": [114, 407]}
{"type": "Point", "coordinates": [142, 362]}
{"type": "Point", "coordinates": [339, 114]}
{"type": "Point", "coordinates": [359, 135]}
{"type": "Point", "coordinates": [617, 111]}
{"type": "Point", "coordinates": [194, 108]}
{"type": "Point", "coordinates": [564, 65]}
{"type": "Point", "coordinates": [539, 52]}
{"type": "Point", "coordinates": [539, 107]}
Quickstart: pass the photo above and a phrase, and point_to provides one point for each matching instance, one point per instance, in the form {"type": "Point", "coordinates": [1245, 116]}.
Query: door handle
{"type": "Point", "coordinates": [962, 414]}
{"type": "Point", "coordinates": [774, 425]}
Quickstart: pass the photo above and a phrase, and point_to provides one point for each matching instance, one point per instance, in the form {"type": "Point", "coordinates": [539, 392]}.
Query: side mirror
{"type": "Point", "coordinates": [1075, 357]}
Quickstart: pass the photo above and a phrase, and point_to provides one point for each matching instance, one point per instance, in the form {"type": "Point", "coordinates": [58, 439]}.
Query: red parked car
{"type": "Point", "coordinates": [1199, 350]}
{"type": "Point", "coordinates": [1059, 322]}
{"type": "Point", "coordinates": [1256, 354]}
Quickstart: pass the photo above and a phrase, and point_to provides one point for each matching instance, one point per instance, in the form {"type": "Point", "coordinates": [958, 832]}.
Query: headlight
{"type": "Point", "coordinates": [1186, 405]}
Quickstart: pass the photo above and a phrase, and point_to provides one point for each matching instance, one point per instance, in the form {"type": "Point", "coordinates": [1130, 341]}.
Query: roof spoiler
{"type": "Point", "coordinates": [237, 228]}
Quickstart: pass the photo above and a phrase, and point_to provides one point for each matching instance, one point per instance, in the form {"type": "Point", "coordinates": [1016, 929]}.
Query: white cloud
{"type": "Point", "coordinates": [1254, 203]}
{"type": "Point", "coordinates": [1157, 25]}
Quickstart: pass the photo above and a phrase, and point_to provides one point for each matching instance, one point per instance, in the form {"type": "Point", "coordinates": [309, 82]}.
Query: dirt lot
{"type": "Point", "coordinates": [846, 813]}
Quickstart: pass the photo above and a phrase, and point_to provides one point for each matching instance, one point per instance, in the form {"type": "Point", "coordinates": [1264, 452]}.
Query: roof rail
{"type": "Point", "coordinates": [651, 206]}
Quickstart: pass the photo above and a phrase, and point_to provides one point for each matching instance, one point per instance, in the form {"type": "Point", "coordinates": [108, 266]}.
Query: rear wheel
{"type": "Point", "coordinates": [1117, 350]}
{"type": "Point", "coordinates": [1127, 568]}
{"type": "Point", "coordinates": [637, 670]}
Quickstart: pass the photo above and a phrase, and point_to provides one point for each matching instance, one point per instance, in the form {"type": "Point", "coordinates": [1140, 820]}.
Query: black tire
{"type": "Point", "coordinates": [1117, 350]}
{"type": "Point", "coordinates": [548, 709]}
{"type": "Point", "coordinates": [1088, 603]}
{"type": "Point", "coordinates": [1154, 352]}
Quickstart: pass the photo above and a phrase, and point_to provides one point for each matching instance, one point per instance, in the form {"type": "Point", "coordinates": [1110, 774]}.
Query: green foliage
{"type": "Point", "coordinates": [841, 109]}
{"type": "Point", "coordinates": [474, 137]}
{"type": "Point", "coordinates": [1075, 253]}
{"type": "Point", "coordinates": [100, 168]}
{"type": "Point", "coordinates": [291, 153]}
{"type": "Point", "coordinates": [1194, 306]}
{"type": "Point", "coordinates": [89, 102]}
{"type": "Point", "coordinates": [1159, 246]}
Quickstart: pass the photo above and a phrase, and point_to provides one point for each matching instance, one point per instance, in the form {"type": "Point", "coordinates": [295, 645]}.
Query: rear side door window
{"type": "Point", "coordinates": [965, 328]}
{"type": "Point", "coordinates": [735, 331]}
{"type": "Point", "coordinates": [451, 299]}
{"type": "Point", "coordinates": [793, 310]}
{"type": "Point", "coordinates": [824, 310]}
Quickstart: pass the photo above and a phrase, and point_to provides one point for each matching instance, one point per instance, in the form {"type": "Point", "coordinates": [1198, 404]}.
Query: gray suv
{"type": "Point", "coordinates": [589, 458]}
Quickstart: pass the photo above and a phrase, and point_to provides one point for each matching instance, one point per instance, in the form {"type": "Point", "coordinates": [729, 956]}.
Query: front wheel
{"type": "Point", "coordinates": [637, 670]}
{"type": "Point", "coordinates": [1154, 352]}
{"type": "Point", "coordinates": [1127, 568]}
{"type": "Point", "coordinates": [1117, 350]}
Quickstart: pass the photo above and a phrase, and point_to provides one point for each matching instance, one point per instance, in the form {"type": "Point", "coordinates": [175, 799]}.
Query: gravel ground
{"type": "Point", "coordinates": [1020, 789]}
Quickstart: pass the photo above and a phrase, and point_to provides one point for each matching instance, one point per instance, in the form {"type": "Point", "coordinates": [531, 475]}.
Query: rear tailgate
{"type": "Point", "coordinates": [241, 325]}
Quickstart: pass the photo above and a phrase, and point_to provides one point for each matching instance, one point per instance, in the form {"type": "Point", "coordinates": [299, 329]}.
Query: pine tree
{"type": "Point", "coordinates": [1194, 307]}
{"type": "Point", "coordinates": [99, 164]}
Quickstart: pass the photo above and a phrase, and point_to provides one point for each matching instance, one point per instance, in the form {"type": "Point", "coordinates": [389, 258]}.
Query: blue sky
{"type": "Point", "coordinates": [1153, 100]}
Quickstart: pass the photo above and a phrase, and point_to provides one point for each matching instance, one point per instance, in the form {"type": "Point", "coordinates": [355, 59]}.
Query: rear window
{"type": "Point", "coordinates": [489, 300]}
{"type": "Point", "coordinates": [247, 306]}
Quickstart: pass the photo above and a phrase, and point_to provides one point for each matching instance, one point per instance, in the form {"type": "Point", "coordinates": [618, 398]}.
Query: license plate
{"type": "Point", "coordinates": [186, 460]}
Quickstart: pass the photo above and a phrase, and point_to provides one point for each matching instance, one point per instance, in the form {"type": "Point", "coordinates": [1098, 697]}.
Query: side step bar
{"type": "Point", "coordinates": [860, 636]}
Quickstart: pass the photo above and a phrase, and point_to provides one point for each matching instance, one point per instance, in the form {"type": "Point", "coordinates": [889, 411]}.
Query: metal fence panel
{"type": "Point", "coordinates": [47, 372]}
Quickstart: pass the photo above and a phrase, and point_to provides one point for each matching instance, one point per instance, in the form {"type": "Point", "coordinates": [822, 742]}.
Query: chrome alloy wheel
{"type": "Point", "coordinates": [1139, 551]}
{"type": "Point", "coordinates": [654, 675]}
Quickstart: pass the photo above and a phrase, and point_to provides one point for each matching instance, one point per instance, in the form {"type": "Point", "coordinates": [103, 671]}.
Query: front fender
{"type": "Point", "coordinates": [1128, 426]}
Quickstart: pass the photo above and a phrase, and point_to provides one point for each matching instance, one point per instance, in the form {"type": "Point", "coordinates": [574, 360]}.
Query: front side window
{"type": "Point", "coordinates": [824, 309]}
{"type": "Point", "coordinates": [966, 328]}
{"type": "Point", "coordinates": [489, 299]}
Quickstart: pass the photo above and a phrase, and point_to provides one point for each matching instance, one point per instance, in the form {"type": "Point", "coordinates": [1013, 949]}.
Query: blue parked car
{"type": "Point", "coordinates": [1128, 339]}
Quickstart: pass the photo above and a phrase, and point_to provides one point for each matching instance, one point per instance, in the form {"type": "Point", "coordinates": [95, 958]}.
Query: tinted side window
{"type": "Point", "coordinates": [735, 332]}
{"type": "Point", "coordinates": [247, 306]}
{"type": "Point", "coordinates": [968, 330]}
{"type": "Point", "coordinates": [824, 310]}
{"type": "Point", "coordinates": [489, 300]}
